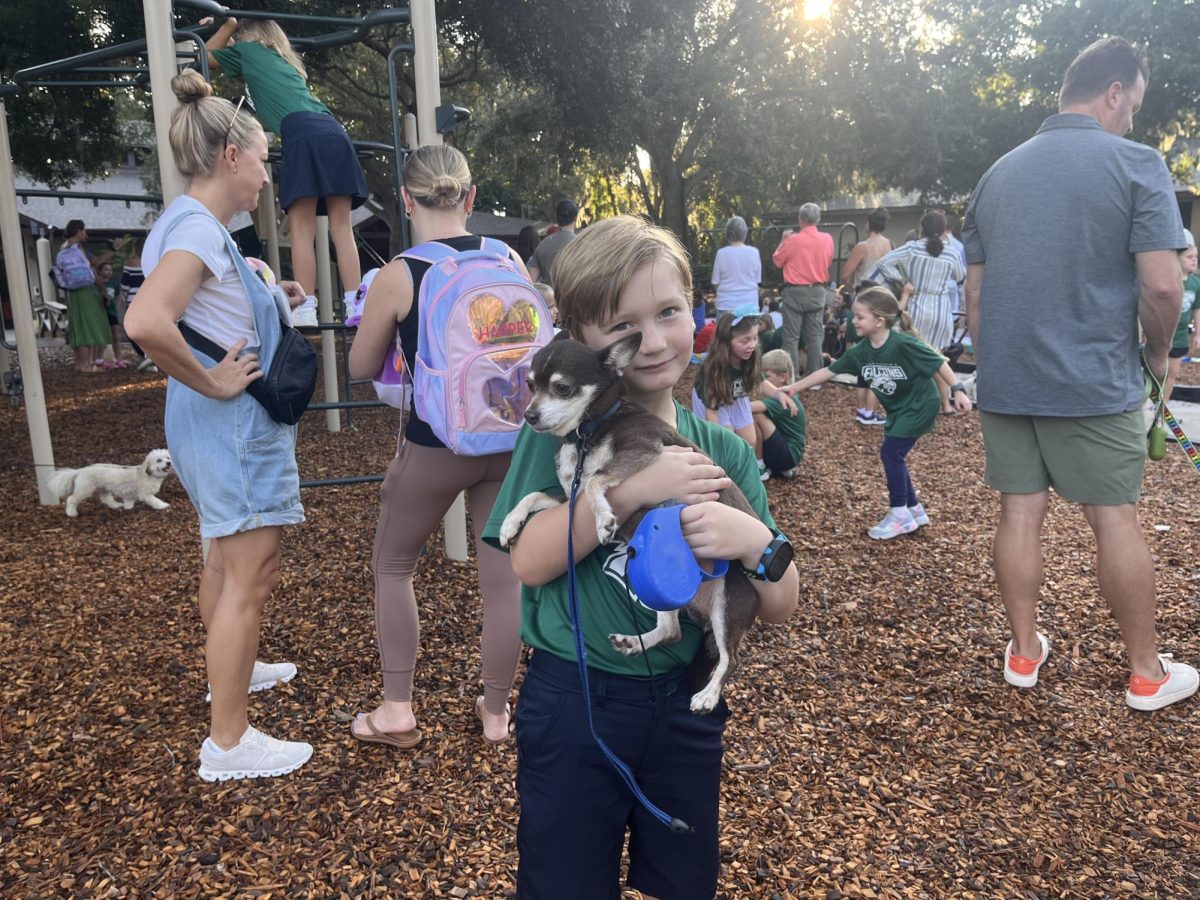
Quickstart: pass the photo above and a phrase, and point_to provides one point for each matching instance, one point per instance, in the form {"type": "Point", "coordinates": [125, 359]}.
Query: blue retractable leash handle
{"type": "Point", "coordinates": [676, 825]}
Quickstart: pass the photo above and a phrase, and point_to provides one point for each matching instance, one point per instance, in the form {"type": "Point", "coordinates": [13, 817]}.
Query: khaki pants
{"type": "Point", "coordinates": [803, 310]}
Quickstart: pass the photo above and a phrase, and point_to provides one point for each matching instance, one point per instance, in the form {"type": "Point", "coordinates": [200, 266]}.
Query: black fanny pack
{"type": "Point", "coordinates": [286, 388]}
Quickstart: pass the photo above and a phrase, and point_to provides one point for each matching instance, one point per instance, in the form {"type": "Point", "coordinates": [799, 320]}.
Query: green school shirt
{"type": "Point", "coordinates": [1191, 303]}
{"type": "Point", "coordinates": [900, 374]}
{"type": "Point", "coordinates": [605, 605]}
{"type": "Point", "coordinates": [793, 428]}
{"type": "Point", "coordinates": [273, 87]}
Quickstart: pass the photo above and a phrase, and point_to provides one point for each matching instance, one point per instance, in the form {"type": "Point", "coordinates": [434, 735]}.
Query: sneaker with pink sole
{"type": "Point", "coordinates": [893, 525]}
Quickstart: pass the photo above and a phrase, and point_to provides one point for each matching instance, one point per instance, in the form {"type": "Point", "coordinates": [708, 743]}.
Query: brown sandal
{"type": "Point", "coordinates": [402, 740]}
{"type": "Point", "coordinates": [507, 712]}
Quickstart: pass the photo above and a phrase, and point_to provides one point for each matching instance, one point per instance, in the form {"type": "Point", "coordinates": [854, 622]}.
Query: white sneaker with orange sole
{"type": "Point", "coordinates": [1179, 681]}
{"type": "Point", "coordinates": [1021, 671]}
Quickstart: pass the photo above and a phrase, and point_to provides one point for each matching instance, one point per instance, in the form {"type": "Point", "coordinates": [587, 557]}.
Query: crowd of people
{"type": "Point", "coordinates": [622, 276]}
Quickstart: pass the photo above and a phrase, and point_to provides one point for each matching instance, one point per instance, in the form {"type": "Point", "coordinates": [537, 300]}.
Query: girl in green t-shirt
{"type": "Point", "coordinates": [902, 371]}
{"type": "Point", "coordinates": [319, 174]}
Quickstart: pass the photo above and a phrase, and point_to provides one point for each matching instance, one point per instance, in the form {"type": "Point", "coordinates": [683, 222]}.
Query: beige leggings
{"type": "Point", "coordinates": [421, 484]}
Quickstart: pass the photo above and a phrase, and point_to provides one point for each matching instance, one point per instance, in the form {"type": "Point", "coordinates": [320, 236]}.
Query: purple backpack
{"type": "Point", "coordinates": [480, 323]}
{"type": "Point", "coordinates": [72, 269]}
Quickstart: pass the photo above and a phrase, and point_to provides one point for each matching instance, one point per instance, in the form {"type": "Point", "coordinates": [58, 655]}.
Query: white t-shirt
{"type": "Point", "coordinates": [219, 310]}
{"type": "Point", "coordinates": [736, 274]}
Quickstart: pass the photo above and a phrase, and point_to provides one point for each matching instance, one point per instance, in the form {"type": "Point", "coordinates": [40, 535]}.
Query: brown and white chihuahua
{"type": "Point", "coordinates": [574, 387]}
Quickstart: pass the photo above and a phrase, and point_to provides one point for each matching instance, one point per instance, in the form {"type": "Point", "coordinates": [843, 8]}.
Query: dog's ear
{"type": "Point", "coordinates": [618, 355]}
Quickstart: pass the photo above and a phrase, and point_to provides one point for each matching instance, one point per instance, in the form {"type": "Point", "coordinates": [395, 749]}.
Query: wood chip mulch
{"type": "Point", "coordinates": [874, 749]}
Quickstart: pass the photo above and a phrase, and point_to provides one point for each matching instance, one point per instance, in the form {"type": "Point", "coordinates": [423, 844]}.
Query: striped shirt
{"type": "Point", "coordinates": [930, 275]}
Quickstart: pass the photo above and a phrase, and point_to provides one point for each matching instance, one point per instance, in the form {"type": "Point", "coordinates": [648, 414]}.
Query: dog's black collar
{"type": "Point", "coordinates": [584, 432]}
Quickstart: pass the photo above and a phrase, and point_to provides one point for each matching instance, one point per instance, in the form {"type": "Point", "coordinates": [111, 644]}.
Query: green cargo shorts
{"type": "Point", "coordinates": [1098, 460]}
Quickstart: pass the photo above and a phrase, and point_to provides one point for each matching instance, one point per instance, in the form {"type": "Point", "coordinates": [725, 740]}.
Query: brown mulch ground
{"type": "Point", "coordinates": [874, 749]}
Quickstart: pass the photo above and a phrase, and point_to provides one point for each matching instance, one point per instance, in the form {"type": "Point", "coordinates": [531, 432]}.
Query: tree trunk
{"type": "Point", "coordinates": [672, 194]}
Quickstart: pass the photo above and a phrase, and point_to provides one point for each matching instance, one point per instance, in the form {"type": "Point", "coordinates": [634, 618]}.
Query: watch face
{"type": "Point", "coordinates": [780, 558]}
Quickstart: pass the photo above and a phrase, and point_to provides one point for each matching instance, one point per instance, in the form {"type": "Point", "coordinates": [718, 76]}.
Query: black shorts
{"type": "Point", "coordinates": [776, 454]}
{"type": "Point", "coordinates": [318, 161]}
{"type": "Point", "coordinates": [1178, 352]}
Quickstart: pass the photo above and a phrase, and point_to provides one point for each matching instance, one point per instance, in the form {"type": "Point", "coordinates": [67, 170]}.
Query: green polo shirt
{"type": "Point", "coordinates": [900, 374]}
{"type": "Point", "coordinates": [605, 603]}
{"type": "Point", "coordinates": [273, 86]}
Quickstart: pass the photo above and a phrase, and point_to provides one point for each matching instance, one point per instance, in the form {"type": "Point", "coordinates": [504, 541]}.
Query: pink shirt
{"type": "Point", "coordinates": [805, 256]}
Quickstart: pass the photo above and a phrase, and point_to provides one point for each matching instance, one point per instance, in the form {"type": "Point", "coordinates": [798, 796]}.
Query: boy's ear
{"type": "Point", "coordinates": [620, 354]}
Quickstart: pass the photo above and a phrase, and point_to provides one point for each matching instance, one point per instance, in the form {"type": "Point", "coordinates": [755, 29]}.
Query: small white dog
{"type": "Point", "coordinates": [129, 483]}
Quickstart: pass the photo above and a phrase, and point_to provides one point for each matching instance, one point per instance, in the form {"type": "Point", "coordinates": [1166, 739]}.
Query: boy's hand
{"type": "Point", "coordinates": [962, 402]}
{"type": "Point", "coordinates": [786, 401]}
{"type": "Point", "coordinates": [680, 474]}
{"type": "Point", "coordinates": [716, 531]}
{"type": "Point", "coordinates": [294, 292]}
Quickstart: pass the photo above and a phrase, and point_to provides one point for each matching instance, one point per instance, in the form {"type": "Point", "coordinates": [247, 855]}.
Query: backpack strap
{"type": "Point", "coordinates": [431, 252]}
{"type": "Point", "coordinates": [492, 245]}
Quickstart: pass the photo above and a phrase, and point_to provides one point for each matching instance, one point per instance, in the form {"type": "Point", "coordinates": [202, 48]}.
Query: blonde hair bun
{"type": "Point", "coordinates": [190, 86]}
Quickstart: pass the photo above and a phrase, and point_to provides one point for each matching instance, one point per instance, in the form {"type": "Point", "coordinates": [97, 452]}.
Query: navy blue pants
{"type": "Point", "coordinates": [900, 487]}
{"type": "Point", "coordinates": [575, 809]}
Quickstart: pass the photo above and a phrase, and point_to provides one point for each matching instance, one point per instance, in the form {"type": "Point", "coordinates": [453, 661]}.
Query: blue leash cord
{"type": "Point", "coordinates": [676, 825]}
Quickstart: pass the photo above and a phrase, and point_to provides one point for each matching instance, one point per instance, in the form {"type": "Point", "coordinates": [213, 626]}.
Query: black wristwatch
{"type": "Point", "coordinates": [774, 561]}
{"type": "Point", "coordinates": [958, 387]}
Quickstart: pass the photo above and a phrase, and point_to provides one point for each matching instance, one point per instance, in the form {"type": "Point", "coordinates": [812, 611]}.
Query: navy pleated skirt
{"type": "Point", "coordinates": [318, 161]}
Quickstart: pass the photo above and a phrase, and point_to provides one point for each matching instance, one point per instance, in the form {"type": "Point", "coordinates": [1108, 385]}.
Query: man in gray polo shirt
{"type": "Point", "coordinates": [1071, 242]}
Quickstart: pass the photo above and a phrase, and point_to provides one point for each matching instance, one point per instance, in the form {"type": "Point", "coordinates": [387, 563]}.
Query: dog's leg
{"type": "Point", "coordinates": [153, 502]}
{"type": "Point", "coordinates": [706, 699]}
{"type": "Point", "coordinates": [111, 502]}
{"type": "Point", "coordinates": [84, 487]}
{"type": "Point", "coordinates": [596, 490]}
{"type": "Point", "coordinates": [515, 520]}
{"type": "Point", "coordinates": [665, 631]}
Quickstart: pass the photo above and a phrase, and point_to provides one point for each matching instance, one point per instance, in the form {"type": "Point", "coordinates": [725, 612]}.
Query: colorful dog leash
{"type": "Point", "coordinates": [1161, 411]}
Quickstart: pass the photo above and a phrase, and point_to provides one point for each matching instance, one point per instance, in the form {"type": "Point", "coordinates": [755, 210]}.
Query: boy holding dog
{"type": "Point", "coordinates": [619, 277]}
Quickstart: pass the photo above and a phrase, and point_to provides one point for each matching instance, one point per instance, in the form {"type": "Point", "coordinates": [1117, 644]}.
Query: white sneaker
{"type": "Point", "coordinates": [145, 365]}
{"type": "Point", "coordinates": [764, 474]}
{"type": "Point", "coordinates": [893, 525]}
{"type": "Point", "coordinates": [305, 315]}
{"type": "Point", "coordinates": [1179, 682]}
{"type": "Point", "coordinates": [255, 756]}
{"type": "Point", "coordinates": [265, 676]}
{"type": "Point", "coordinates": [919, 515]}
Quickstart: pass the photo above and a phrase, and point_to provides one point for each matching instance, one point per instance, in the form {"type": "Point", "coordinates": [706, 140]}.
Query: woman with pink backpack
{"type": "Point", "coordinates": [469, 356]}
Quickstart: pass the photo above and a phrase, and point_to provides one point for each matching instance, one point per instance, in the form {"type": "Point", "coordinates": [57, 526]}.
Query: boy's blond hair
{"type": "Point", "coordinates": [779, 361]}
{"type": "Point", "coordinates": [591, 270]}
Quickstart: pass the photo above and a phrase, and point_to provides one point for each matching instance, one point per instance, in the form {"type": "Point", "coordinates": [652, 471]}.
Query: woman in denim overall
{"type": "Point", "coordinates": [237, 464]}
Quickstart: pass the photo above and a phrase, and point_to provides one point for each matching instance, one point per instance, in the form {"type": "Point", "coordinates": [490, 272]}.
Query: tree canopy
{"type": "Point", "coordinates": [685, 110]}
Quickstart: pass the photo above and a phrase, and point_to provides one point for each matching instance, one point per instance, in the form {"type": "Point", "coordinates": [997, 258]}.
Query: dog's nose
{"type": "Point", "coordinates": [532, 416]}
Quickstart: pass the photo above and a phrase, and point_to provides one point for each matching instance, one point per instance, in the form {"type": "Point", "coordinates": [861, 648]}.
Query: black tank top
{"type": "Point", "coordinates": [416, 429]}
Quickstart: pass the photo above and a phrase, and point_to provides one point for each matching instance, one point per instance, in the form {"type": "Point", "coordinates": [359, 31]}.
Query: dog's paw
{"type": "Point", "coordinates": [128, 504]}
{"type": "Point", "coordinates": [509, 529]}
{"type": "Point", "coordinates": [629, 644]}
{"type": "Point", "coordinates": [606, 527]}
{"type": "Point", "coordinates": [72, 512]}
{"type": "Point", "coordinates": [705, 700]}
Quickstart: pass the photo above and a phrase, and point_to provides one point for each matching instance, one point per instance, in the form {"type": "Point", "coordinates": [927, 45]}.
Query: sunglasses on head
{"type": "Point", "coordinates": [237, 109]}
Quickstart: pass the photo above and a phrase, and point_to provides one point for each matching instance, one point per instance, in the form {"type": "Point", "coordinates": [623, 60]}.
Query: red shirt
{"type": "Point", "coordinates": [805, 256]}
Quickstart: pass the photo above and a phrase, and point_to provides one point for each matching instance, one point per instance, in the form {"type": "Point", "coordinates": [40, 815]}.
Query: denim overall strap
{"type": "Point", "coordinates": [269, 309]}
